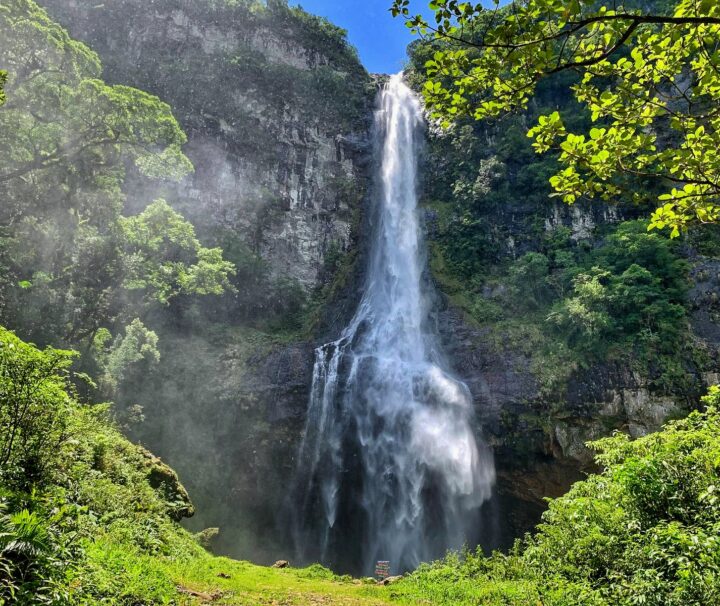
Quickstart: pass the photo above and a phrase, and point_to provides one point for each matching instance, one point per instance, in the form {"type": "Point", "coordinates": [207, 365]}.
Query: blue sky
{"type": "Point", "coordinates": [380, 39]}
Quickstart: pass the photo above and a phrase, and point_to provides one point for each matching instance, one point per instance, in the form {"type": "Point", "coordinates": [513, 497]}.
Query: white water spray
{"type": "Point", "coordinates": [389, 448]}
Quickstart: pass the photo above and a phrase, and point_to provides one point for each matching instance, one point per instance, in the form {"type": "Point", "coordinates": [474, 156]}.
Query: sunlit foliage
{"type": "Point", "coordinates": [33, 407]}
{"type": "Point", "coordinates": [68, 479]}
{"type": "Point", "coordinates": [649, 75]}
{"type": "Point", "coordinates": [164, 259]}
{"type": "Point", "coordinates": [61, 113]}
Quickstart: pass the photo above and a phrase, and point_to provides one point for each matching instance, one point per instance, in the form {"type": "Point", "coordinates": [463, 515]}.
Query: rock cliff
{"type": "Point", "coordinates": [275, 105]}
{"type": "Point", "coordinates": [277, 109]}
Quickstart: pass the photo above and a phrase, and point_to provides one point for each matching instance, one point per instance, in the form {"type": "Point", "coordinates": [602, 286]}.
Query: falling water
{"type": "Point", "coordinates": [389, 468]}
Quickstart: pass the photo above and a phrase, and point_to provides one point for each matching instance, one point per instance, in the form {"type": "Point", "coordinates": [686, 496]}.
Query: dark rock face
{"type": "Point", "coordinates": [282, 379]}
{"type": "Point", "coordinates": [705, 301]}
{"type": "Point", "coordinates": [227, 415]}
{"type": "Point", "coordinates": [276, 108]}
{"type": "Point", "coordinates": [503, 390]}
{"type": "Point", "coordinates": [499, 380]}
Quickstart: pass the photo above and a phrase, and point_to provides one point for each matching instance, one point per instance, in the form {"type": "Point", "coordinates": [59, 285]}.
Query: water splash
{"type": "Point", "coordinates": [389, 467]}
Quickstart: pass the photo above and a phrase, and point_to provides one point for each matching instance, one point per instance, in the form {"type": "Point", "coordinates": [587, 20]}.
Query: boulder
{"type": "Point", "coordinates": [391, 580]}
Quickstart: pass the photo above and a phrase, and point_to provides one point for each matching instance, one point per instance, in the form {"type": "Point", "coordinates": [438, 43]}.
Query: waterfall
{"type": "Point", "coordinates": [390, 467]}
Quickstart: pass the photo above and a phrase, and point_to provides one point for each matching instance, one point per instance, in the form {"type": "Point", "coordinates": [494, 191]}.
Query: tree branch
{"type": "Point", "coordinates": [595, 60]}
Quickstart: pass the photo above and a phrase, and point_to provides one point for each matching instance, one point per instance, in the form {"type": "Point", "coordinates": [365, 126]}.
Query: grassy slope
{"type": "Point", "coordinates": [250, 584]}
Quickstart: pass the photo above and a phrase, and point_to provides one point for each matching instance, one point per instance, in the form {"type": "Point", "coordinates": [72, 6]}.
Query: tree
{"type": "Point", "coordinates": [125, 359]}
{"type": "Point", "coordinates": [164, 259]}
{"type": "Point", "coordinates": [68, 139]}
{"type": "Point", "coordinates": [629, 297]}
{"type": "Point", "coordinates": [33, 410]}
{"type": "Point", "coordinates": [650, 78]}
{"type": "Point", "coordinates": [62, 114]}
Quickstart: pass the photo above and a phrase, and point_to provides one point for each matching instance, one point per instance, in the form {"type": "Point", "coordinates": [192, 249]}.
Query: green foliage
{"type": "Point", "coordinates": [164, 259]}
{"type": "Point", "coordinates": [69, 140]}
{"type": "Point", "coordinates": [576, 305]}
{"type": "Point", "coordinates": [62, 114]}
{"type": "Point", "coordinates": [528, 280]}
{"type": "Point", "coordinates": [126, 358]}
{"type": "Point", "coordinates": [3, 80]}
{"type": "Point", "coordinates": [644, 531]}
{"type": "Point", "coordinates": [33, 410]}
{"type": "Point", "coordinates": [83, 256]}
{"type": "Point", "coordinates": [73, 490]}
{"type": "Point", "coordinates": [124, 576]}
{"type": "Point", "coordinates": [629, 294]}
{"type": "Point", "coordinates": [648, 76]}
{"type": "Point", "coordinates": [554, 284]}
{"type": "Point", "coordinates": [242, 583]}
{"type": "Point", "coordinates": [145, 261]}
{"type": "Point", "coordinates": [36, 556]}
{"type": "Point", "coordinates": [100, 526]}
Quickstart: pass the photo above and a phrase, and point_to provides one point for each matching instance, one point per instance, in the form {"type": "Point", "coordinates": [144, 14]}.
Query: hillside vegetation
{"type": "Point", "coordinates": [88, 518]}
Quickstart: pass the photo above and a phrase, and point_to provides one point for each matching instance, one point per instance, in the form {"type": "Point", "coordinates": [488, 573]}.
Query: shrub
{"type": "Point", "coordinates": [78, 502]}
{"type": "Point", "coordinates": [33, 410]}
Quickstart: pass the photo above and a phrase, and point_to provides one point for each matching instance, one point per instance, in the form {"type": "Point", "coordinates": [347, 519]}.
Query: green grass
{"type": "Point", "coordinates": [465, 592]}
{"type": "Point", "coordinates": [231, 582]}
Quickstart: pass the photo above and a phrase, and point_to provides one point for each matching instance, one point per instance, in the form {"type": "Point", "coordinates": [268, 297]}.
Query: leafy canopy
{"type": "Point", "coordinates": [61, 113]}
{"type": "Point", "coordinates": [163, 258]}
{"type": "Point", "coordinates": [33, 402]}
{"type": "Point", "coordinates": [122, 359]}
{"type": "Point", "coordinates": [650, 79]}
{"type": "Point", "coordinates": [629, 294]}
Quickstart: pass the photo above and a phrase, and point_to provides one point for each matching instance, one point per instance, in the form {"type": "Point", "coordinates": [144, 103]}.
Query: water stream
{"type": "Point", "coordinates": [390, 467]}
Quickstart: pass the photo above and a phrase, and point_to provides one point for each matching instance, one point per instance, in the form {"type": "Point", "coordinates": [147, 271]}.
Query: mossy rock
{"type": "Point", "coordinates": [165, 481]}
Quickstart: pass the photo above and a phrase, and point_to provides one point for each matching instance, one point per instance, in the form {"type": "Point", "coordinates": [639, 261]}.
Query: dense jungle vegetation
{"type": "Point", "coordinates": [89, 517]}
